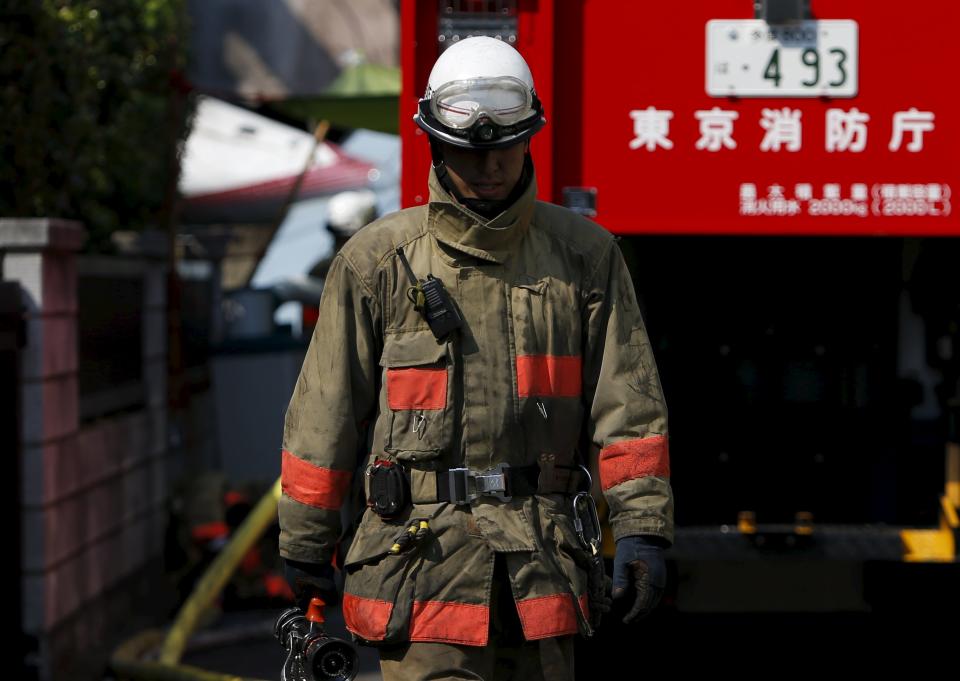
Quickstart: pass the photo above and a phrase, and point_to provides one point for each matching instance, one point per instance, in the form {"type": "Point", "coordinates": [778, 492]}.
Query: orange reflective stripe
{"type": "Point", "coordinates": [636, 458]}
{"type": "Point", "coordinates": [313, 485]}
{"type": "Point", "coordinates": [209, 531]}
{"type": "Point", "coordinates": [416, 388]}
{"type": "Point", "coordinates": [233, 497]}
{"type": "Point", "coordinates": [366, 617]}
{"type": "Point", "coordinates": [547, 616]}
{"type": "Point", "coordinates": [251, 562]}
{"type": "Point", "coordinates": [548, 375]}
{"type": "Point", "coordinates": [445, 622]}
{"type": "Point", "coordinates": [277, 587]}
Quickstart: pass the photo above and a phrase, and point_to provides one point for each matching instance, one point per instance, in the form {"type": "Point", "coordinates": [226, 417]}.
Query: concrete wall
{"type": "Point", "coordinates": [93, 494]}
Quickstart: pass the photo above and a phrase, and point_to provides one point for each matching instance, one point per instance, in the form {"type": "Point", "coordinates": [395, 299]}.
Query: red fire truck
{"type": "Point", "coordinates": [781, 174]}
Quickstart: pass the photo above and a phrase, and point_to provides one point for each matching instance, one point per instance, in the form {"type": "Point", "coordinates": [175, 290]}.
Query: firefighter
{"type": "Point", "coordinates": [347, 212]}
{"type": "Point", "coordinates": [482, 352]}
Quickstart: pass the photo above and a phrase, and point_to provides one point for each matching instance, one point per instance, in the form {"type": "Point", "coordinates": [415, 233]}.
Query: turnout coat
{"type": "Point", "coordinates": [552, 367]}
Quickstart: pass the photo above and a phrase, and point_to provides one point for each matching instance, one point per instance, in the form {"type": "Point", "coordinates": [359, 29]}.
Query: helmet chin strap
{"type": "Point", "coordinates": [440, 168]}
{"type": "Point", "coordinates": [487, 208]}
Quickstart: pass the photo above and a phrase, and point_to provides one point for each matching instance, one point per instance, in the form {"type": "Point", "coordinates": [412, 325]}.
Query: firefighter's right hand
{"type": "Point", "coordinates": [308, 580]}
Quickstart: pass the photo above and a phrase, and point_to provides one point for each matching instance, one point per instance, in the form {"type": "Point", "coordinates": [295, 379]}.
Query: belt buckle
{"type": "Point", "coordinates": [467, 485]}
{"type": "Point", "coordinates": [497, 485]}
{"type": "Point", "coordinates": [460, 492]}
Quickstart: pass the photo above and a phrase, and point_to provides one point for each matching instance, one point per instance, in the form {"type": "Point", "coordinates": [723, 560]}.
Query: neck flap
{"type": "Point", "coordinates": [490, 239]}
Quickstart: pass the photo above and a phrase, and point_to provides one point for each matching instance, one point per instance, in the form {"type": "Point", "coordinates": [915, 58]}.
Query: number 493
{"type": "Point", "coordinates": [811, 59]}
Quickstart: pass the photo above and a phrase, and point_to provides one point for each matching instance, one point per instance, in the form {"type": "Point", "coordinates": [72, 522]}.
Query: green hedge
{"type": "Point", "coordinates": [91, 110]}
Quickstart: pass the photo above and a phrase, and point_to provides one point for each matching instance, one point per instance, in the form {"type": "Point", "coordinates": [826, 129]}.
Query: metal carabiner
{"type": "Point", "coordinates": [589, 532]}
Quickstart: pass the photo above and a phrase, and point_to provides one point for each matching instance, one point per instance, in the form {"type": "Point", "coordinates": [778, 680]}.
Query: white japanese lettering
{"type": "Point", "coordinates": [803, 191]}
{"type": "Point", "coordinates": [783, 129]}
{"type": "Point", "coordinates": [912, 121]}
{"type": "Point", "coordinates": [650, 128]}
{"type": "Point", "coordinates": [846, 130]}
{"type": "Point", "coordinates": [716, 129]}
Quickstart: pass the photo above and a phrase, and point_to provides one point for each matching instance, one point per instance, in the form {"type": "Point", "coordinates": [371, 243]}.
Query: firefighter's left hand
{"type": "Point", "coordinates": [640, 572]}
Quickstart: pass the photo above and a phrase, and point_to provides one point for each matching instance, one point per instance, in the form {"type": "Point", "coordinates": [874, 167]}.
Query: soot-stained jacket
{"type": "Point", "coordinates": [552, 367]}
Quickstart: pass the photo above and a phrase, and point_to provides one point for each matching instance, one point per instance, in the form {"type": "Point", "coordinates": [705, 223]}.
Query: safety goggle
{"type": "Point", "coordinates": [460, 103]}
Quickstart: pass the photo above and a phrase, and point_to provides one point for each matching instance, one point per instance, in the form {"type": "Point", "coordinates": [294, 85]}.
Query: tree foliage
{"type": "Point", "coordinates": [91, 110]}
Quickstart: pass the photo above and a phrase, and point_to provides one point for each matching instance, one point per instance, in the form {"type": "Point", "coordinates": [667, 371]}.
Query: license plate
{"type": "Point", "coordinates": [751, 58]}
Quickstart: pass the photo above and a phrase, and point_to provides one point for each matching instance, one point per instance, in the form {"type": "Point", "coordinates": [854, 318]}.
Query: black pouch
{"type": "Point", "coordinates": [388, 490]}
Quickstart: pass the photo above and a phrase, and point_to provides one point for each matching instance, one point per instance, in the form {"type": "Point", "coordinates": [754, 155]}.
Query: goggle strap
{"type": "Point", "coordinates": [470, 132]}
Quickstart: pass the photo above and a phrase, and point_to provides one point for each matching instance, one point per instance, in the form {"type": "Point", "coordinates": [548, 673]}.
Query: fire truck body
{"type": "Point", "coordinates": [782, 179]}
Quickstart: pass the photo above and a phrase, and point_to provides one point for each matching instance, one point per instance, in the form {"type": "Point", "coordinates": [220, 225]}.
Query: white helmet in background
{"type": "Point", "coordinates": [480, 95]}
{"type": "Point", "coordinates": [348, 211]}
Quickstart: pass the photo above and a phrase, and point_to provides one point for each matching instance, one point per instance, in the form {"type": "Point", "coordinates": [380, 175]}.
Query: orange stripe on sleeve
{"type": "Point", "coordinates": [635, 458]}
{"type": "Point", "coordinates": [313, 485]}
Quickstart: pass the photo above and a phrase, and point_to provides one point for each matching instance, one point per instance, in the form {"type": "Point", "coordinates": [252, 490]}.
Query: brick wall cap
{"type": "Point", "coordinates": [41, 234]}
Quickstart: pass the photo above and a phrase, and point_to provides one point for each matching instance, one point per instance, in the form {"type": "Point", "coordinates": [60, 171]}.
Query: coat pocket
{"type": "Point", "coordinates": [380, 584]}
{"type": "Point", "coordinates": [417, 396]}
{"type": "Point", "coordinates": [530, 314]}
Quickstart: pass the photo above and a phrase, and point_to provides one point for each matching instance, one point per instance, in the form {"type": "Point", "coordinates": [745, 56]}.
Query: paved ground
{"type": "Point", "coordinates": [914, 623]}
{"type": "Point", "coordinates": [746, 645]}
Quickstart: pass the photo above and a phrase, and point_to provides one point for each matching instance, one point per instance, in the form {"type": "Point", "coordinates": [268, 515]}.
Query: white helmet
{"type": "Point", "coordinates": [348, 211]}
{"type": "Point", "coordinates": [480, 95]}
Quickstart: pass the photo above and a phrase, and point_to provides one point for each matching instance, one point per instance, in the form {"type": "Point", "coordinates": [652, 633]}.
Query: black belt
{"type": "Point", "coordinates": [503, 481]}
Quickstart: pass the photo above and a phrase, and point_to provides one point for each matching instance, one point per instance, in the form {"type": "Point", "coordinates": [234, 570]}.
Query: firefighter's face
{"type": "Point", "coordinates": [489, 175]}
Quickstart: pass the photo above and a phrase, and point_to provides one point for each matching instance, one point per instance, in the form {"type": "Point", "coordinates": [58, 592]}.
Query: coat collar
{"type": "Point", "coordinates": [462, 229]}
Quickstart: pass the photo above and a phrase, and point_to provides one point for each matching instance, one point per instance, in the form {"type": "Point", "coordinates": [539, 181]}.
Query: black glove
{"type": "Point", "coordinates": [639, 568]}
{"type": "Point", "coordinates": [308, 580]}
